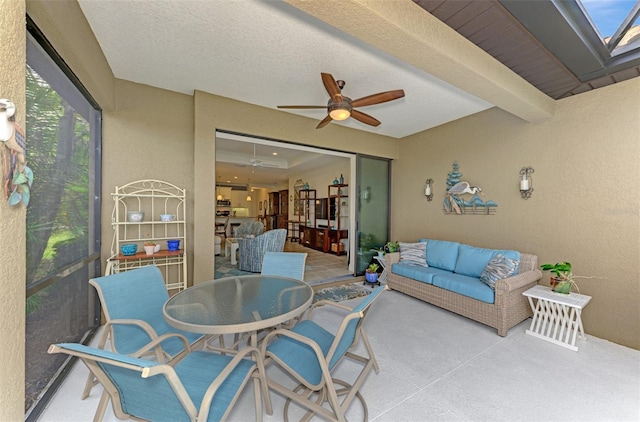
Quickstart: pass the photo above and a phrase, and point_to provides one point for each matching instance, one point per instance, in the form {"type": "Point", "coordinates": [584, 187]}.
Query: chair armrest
{"type": "Point", "coordinates": [157, 342]}
{"type": "Point", "coordinates": [137, 322]}
{"type": "Point", "coordinates": [509, 284]}
{"type": "Point", "coordinates": [154, 340]}
{"type": "Point", "coordinates": [203, 414]}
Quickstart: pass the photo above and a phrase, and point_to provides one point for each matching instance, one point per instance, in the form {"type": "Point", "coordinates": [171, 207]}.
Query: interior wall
{"type": "Point", "coordinates": [12, 223]}
{"type": "Point", "coordinates": [585, 205]}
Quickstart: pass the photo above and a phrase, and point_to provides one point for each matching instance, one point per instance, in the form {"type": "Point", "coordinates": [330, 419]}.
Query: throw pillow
{"type": "Point", "coordinates": [413, 253]}
{"type": "Point", "coordinates": [499, 267]}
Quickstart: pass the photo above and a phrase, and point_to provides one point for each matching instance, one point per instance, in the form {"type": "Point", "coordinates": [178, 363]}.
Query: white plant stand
{"type": "Point", "coordinates": [556, 316]}
{"type": "Point", "coordinates": [383, 263]}
{"type": "Point", "coordinates": [155, 198]}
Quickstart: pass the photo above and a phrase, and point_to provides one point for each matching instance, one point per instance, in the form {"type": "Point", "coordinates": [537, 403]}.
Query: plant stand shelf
{"type": "Point", "coordinates": [556, 316]}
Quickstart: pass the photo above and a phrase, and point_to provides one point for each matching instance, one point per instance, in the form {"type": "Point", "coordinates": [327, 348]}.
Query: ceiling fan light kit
{"type": "Point", "coordinates": [341, 110]}
{"type": "Point", "coordinates": [340, 107]}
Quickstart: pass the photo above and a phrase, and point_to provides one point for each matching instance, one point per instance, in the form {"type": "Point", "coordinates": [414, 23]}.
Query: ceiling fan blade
{"type": "Point", "coordinates": [381, 97]}
{"type": "Point", "coordinates": [302, 106]}
{"type": "Point", "coordinates": [331, 86]}
{"type": "Point", "coordinates": [324, 122]}
{"type": "Point", "coordinates": [365, 118]}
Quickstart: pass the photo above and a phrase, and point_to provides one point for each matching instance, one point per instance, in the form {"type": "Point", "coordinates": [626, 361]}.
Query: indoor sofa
{"type": "Point", "coordinates": [485, 285]}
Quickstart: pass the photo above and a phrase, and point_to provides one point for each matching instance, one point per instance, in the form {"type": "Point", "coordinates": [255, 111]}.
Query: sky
{"type": "Point", "coordinates": [608, 14]}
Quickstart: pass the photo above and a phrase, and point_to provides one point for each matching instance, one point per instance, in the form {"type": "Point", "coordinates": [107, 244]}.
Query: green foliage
{"type": "Point", "coordinates": [59, 153]}
{"type": "Point", "coordinates": [373, 267]}
{"type": "Point", "coordinates": [561, 269]}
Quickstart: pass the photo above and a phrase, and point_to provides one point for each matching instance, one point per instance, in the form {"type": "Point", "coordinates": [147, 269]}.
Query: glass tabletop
{"type": "Point", "coordinates": [237, 304]}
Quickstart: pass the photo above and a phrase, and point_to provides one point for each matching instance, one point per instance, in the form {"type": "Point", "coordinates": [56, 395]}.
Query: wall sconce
{"type": "Point", "coordinates": [526, 185]}
{"type": "Point", "coordinates": [428, 192]}
{"type": "Point", "coordinates": [366, 194]}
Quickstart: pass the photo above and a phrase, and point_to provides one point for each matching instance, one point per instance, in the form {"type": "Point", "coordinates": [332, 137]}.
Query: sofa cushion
{"type": "Point", "coordinates": [464, 285]}
{"type": "Point", "coordinates": [415, 272]}
{"type": "Point", "coordinates": [442, 253]}
{"type": "Point", "coordinates": [472, 260]}
{"type": "Point", "coordinates": [498, 268]}
{"type": "Point", "coordinates": [413, 253]}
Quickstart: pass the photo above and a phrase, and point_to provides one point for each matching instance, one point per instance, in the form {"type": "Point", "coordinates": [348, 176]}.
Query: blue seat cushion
{"type": "Point", "coordinates": [442, 254]}
{"type": "Point", "coordinates": [415, 272]}
{"type": "Point", "coordinates": [472, 261]}
{"type": "Point", "coordinates": [467, 286]}
{"type": "Point", "coordinates": [300, 357]}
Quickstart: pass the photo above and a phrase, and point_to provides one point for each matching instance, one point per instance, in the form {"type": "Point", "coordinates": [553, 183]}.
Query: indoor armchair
{"type": "Point", "coordinates": [252, 250]}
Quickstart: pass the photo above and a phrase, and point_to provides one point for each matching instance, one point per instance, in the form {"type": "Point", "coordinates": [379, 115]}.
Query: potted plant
{"type": "Point", "coordinates": [380, 250]}
{"type": "Point", "coordinates": [151, 247]}
{"type": "Point", "coordinates": [564, 277]}
{"type": "Point", "coordinates": [371, 273]}
{"type": "Point", "coordinates": [391, 247]}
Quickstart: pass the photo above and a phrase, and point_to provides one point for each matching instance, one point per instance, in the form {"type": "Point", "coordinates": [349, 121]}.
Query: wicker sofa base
{"type": "Point", "coordinates": [510, 307]}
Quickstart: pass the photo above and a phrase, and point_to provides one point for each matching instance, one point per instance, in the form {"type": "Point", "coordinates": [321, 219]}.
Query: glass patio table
{"type": "Point", "coordinates": [238, 304]}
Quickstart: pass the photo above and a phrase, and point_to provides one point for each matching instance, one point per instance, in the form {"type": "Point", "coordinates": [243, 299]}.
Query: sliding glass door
{"type": "Point", "coordinates": [373, 204]}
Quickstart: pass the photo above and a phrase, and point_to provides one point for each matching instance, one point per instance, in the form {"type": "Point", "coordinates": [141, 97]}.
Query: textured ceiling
{"type": "Point", "coordinates": [268, 54]}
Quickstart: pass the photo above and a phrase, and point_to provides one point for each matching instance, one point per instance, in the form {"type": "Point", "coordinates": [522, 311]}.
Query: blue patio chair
{"type": "Point", "coordinates": [251, 251]}
{"type": "Point", "coordinates": [202, 386]}
{"type": "Point", "coordinates": [309, 353]}
{"type": "Point", "coordinates": [132, 304]}
{"type": "Point", "coordinates": [286, 264]}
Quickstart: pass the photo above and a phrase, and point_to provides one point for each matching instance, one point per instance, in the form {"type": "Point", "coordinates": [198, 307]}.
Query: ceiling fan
{"type": "Point", "coordinates": [341, 107]}
{"type": "Point", "coordinates": [254, 162]}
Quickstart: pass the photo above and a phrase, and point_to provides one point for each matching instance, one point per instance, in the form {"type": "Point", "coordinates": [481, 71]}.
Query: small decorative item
{"type": "Point", "coordinates": [167, 217]}
{"type": "Point", "coordinates": [336, 181]}
{"type": "Point", "coordinates": [173, 245]}
{"type": "Point", "coordinates": [17, 177]}
{"type": "Point", "coordinates": [341, 179]}
{"type": "Point", "coordinates": [129, 249]}
{"type": "Point", "coordinates": [427, 189]}
{"type": "Point", "coordinates": [260, 206]}
{"type": "Point", "coordinates": [564, 279]}
{"type": "Point", "coordinates": [526, 185]}
{"type": "Point", "coordinates": [306, 186]}
{"type": "Point", "coordinates": [371, 273]}
{"type": "Point", "coordinates": [135, 216]}
{"type": "Point", "coordinates": [151, 247]}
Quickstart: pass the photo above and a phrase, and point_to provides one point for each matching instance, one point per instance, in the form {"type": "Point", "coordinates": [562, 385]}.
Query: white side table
{"type": "Point", "coordinates": [231, 246]}
{"type": "Point", "coordinates": [556, 316]}
{"type": "Point", "coordinates": [383, 263]}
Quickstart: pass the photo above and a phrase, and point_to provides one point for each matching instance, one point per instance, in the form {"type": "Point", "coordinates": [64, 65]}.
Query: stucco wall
{"type": "Point", "coordinates": [12, 224]}
{"type": "Point", "coordinates": [585, 207]}
{"type": "Point", "coordinates": [149, 135]}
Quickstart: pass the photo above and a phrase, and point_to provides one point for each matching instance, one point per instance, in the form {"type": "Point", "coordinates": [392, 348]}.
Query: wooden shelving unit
{"type": "Point", "coordinates": [306, 215]}
{"type": "Point", "coordinates": [339, 192]}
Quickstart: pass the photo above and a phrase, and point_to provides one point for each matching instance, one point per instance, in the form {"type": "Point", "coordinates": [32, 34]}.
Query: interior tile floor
{"type": "Point", "coordinates": [319, 266]}
{"type": "Point", "coordinates": [438, 366]}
